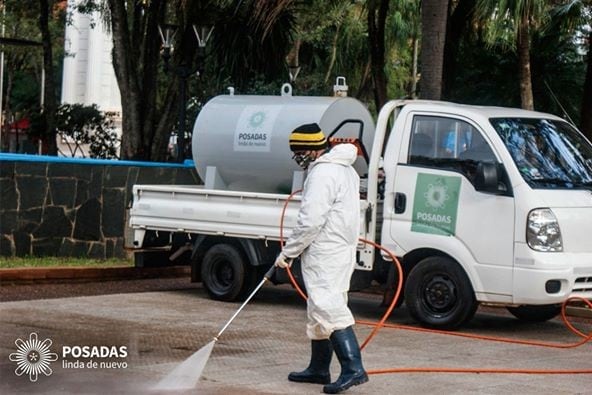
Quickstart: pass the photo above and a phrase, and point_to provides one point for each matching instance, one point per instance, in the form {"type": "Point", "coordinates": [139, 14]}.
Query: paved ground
{"type": "Point", "coordinates": [162, 328]}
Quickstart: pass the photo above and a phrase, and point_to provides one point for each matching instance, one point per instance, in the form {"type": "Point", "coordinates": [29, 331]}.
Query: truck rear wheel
{"type": "Point", "coordinates": [438, 293]}
{"type": "Point", "coordinates": [533, 313]}
{"type": "Point", "coordinates": [226, 274]}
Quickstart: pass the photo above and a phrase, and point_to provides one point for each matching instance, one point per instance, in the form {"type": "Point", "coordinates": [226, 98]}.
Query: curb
{"type": "Point", "coordinates": [55, 274]}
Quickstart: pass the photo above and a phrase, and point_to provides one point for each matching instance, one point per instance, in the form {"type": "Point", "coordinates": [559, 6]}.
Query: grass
{"type": "Point", "coordinates": [6, 263]}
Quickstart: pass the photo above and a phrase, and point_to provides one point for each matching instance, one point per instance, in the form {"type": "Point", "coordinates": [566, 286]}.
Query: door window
{"type": "Point", "coordinates": [448, 144]}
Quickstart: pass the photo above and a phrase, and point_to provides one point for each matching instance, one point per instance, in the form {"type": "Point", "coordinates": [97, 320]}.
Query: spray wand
{"type": "Point", "coordinates": [266, 277]}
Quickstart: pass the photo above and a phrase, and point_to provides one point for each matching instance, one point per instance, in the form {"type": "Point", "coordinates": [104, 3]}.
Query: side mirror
{"type": "Point", "coordinates": [487, 178]}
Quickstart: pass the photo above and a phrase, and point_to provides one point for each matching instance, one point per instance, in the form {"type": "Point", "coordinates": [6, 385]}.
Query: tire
{"type": "Point", "coordinates": [535, 313]}
{"type": "Point", "coordinates": [438, 294]}
{"type": "Point", "coordinates": [226, 274]}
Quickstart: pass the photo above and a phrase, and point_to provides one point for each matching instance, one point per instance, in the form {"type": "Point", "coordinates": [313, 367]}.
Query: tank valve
{"type": "Point", "coordinates": [340, 87]}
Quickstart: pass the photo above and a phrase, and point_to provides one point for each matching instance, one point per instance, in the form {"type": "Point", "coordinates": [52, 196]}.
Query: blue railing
{"type": "Point", "coordinates": [87, 161]}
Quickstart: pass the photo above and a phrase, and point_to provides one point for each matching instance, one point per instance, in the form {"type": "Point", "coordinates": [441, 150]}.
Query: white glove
{"type": "Point", "coordinates": [283, 262]}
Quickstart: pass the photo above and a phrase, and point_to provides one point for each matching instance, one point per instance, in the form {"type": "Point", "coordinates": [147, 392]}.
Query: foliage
{"type": "Point", "coordinates": [23, 64]}
{"type": "Point", "coordinates": [252, 40]}
{"type": "Point", "coordinates": [489, 77]}
{"type": "Point", "coordinates": [83, 125]}
{"type": "Point", "coordinates": [503, 18]}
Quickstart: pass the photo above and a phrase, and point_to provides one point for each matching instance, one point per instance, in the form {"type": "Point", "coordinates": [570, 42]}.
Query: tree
{"type": "Point", "coordinates": [329, 40]}
{"type": "Point", "coordinates": [49, 96]}
{"type": "Point", "coordinates": [36, 33]}
{"type": "Point", "coordinates": [87, 125]}
{"type": "Point", "coordinates": [244, 35]}
{"type": "Point", "coordinates": [404, 30]}
{"type": "Point", "coordinates": [135, 55]}
{"type": "Point", "coordinates": [517, 19]}
{"type": "Point", "coordinates": [459, 23]}
{"type": "Point", "coordinates": [377, 14]}
{"type": "Point", "coordinates": [434, 16]}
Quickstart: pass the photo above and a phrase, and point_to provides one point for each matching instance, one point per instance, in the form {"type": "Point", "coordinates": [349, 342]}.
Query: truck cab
{"type": "Point", "coordinates": [487, 205]}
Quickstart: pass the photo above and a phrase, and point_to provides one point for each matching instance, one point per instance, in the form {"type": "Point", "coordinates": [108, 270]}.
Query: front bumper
{"type": "Point", "coordinates": [533, 270]}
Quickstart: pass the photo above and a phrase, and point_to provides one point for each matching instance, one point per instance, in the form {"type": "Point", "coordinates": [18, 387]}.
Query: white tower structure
{"type": "Point", "coordinates": [88, 76]}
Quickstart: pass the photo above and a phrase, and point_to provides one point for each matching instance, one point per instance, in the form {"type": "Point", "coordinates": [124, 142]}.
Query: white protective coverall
{"type": "Point", "coordinates": [326, 235]}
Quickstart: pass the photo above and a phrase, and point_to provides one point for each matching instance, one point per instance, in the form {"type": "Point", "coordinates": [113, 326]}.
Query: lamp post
{"type": "Point", "coordinates": [183, 71]}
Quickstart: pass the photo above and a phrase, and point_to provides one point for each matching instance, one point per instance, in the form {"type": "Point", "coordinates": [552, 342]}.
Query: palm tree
{"type": "Point", "coordinates": [514, 20]}
{"type": "Point", "coordinates": [434, 16]}
{"type": "Point", "coordinates": [377, 14]}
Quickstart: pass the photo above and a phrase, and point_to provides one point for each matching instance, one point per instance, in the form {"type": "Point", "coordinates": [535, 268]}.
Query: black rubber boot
{"type": "Point", "coordinates": [318, 370]}
{"type": "Point", "coordinates": [347, 349]}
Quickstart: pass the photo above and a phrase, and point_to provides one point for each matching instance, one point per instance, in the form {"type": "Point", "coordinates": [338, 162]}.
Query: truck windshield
{"type": "Point", "coordinates": [548, 153]}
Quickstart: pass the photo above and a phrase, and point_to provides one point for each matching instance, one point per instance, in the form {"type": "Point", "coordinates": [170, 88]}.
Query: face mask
{"type": "Point", "coordinates": [302, 159]}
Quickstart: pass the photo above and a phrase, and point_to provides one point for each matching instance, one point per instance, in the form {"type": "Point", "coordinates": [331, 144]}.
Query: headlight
{"type": "Point", "coordinates": [542, 231]}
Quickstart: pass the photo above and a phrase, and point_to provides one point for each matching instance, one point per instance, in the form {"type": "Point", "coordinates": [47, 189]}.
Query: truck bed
{"type": "Point", "coordinates": [193, 209]}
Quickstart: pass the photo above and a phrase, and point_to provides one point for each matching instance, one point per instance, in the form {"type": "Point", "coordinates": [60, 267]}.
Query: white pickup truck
{"type": "Point", "coordinates": [480, 204]}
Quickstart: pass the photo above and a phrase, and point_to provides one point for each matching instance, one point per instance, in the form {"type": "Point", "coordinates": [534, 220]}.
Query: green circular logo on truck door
{"type": "Point", "coordinates": [435, 204]}
{"type": "Point", "coordinates": [436, 196]}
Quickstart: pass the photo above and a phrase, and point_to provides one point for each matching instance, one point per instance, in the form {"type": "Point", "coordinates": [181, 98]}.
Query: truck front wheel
{"type": "Point", "coordinates": [225, 273]}
{"type": "Point", "coordinates": [533, 313]}
{"type": "Point", "coordinates": [439, 294]}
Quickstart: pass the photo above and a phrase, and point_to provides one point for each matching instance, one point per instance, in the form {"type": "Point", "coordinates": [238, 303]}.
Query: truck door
{"type": "Point", "coordinates": [435, 203]}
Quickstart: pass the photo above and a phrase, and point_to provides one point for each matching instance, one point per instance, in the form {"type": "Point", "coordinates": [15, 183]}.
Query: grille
{"type": "Point", "coordinates": [583, 284]}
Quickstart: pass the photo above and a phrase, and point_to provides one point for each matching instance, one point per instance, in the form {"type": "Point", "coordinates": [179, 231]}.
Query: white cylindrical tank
{"type": "Point", "coordinates": [246, 137]}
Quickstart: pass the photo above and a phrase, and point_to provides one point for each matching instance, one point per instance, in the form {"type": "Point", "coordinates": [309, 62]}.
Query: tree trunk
{"type": "Point", "coordinates": [363, 88]}
{"type": "Point", "coordinates": [586, 113]}
{"type": "Point", "coordinates": [293, 59]}
{"type": "Point", "coordinates": [415, 55]}
{"type": "Point", "coordinates": [131, 138]}
{"type": "Point", "coordinates": [163, 130]}
{"type": "Point", "coordinates": [333, 55]}
{"type": "Point", "coordinates": [377, 13]}
{"type": "Point", "coordinates": [523, 45]}
{"type": "Point", "coordinates": [456, 26]}
{"type": "Point", "coordinates": [49, 99]}
{"type": "Point", "coordinates": [135, 61]}
{"type": "Point", "coordinates": [434, 15]}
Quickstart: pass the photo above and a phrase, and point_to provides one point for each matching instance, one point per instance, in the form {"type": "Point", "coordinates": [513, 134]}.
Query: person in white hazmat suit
{"type": "Point", "coordinates": [325, 237]}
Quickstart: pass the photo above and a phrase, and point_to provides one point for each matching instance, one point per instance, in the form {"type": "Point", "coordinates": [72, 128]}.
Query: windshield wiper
{"type": "Point", "coordinates": [584, 184]}
{"type": "Point", "coordinates": [553, 181]}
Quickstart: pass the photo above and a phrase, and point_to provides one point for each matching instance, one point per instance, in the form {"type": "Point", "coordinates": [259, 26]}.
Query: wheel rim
{"type": "Point", "coordinates": [222, 275]}
{"type": "Point", "coordinates": [439, 294]}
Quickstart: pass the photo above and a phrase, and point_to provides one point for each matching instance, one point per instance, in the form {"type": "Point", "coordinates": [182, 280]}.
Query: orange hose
{"type": "Point", "coordinates": [378, 325]}
{"type": "Point", "coordinates": [395, 298]}
{"type": "Point", "coordinates": [478, 370]}
{"type": "Point", "coordinates": [292, 279]}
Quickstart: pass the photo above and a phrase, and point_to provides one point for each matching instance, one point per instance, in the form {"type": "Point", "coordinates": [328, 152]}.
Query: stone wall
{"type": "Point", "coordinates": [73, 207]}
